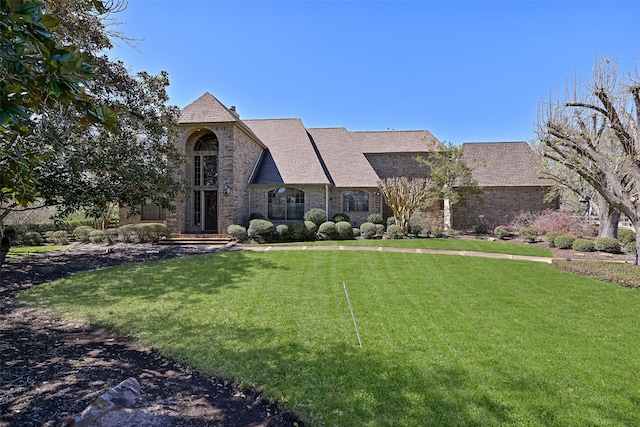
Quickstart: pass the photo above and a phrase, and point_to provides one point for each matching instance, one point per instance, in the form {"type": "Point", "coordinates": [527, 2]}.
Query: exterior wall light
{"type": "Point", "coordinates": [226, 189]}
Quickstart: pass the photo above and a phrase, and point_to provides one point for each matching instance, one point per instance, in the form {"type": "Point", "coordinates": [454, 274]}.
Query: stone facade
{"type": "Point", "coordinates": [500, 205]}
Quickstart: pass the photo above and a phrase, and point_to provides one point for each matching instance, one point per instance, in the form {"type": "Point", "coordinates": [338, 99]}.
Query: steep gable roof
{"type": "Point", "coordinates": [394, 141]}
{"type": "Point", "coordinates": [206, 109]}
{"type": "Point", "coordinates": [503, 164]}
{"type": "Point", "coordinates": [290, 151]}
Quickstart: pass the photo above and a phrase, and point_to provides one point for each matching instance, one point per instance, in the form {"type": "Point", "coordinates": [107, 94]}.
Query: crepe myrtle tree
{"type": "Point", "coordinates": [595, 133]}
{"type": "Point", "coordinates": [404, 196]}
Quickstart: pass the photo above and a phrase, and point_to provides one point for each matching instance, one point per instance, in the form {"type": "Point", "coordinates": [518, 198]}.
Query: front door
{"type": "Point", "coordinates": [211, 211]}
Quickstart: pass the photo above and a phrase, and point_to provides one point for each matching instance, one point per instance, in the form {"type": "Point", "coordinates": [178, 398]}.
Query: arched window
{"type": "Point", "coordinates": [205, 161]}
{"type": "Point", "coordinates": [285, 204]}
{"type": "Point", "coordinates": [355, 201]}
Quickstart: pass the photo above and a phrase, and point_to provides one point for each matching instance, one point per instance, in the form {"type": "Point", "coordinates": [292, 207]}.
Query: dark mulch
{"type": "Point", "coordinates": [50, 370]}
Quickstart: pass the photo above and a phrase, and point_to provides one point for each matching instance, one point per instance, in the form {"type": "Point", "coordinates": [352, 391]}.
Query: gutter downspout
{"type": "Point", "coordinates": [326, 199]}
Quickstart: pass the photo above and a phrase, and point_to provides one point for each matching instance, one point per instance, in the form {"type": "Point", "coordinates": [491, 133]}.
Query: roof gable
{"type": "Point", "coordinates": [206, 109]}
{"type": "Point", "coordinates": [503, 164]}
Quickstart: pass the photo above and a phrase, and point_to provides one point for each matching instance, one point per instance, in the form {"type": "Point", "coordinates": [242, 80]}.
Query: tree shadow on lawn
{"type": "Point", "coordinates": [183, 281]}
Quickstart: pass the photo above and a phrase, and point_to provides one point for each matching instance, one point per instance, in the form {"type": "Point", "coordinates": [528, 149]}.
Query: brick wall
{"type": "Point", "coordinates": [500, 205]}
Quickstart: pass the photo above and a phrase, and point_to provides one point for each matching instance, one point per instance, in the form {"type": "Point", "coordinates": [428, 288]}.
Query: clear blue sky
{"type": "Point", "coordinates": [465, 70]}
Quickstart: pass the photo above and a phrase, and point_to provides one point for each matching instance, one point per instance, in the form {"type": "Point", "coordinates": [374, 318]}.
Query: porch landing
{"type": "Point", "coordinates": [196, 239]}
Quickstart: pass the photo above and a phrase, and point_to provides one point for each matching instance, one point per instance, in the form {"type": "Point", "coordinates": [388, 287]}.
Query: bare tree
{"type": "Point", "coordinates": [595, 133]}
{"type": "Point", "coordinates": [404, 196]}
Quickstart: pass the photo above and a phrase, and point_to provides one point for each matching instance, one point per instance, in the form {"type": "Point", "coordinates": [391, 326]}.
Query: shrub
{"type": "Point", "coordinates": [237, 232]}
{"type": "Point", "coordinates": [608, 244]}
{"type": "Point", "coordinates": [416, 229]}
{"type": "Point", "coordinates": [340, 217]}
{"type": "Point", "coordinates": [368, 230]}
{"type": "Point", "coordinates": [630, 247]}
{"type": "Point", "coordinates": [260, 230]}
{"type": "Point", "coordinates": [328, 231]}
{"type": "Point", "coordinates": [375, 218]}
{"type": "Point", "coordinates": [380, 229]}
{"type": "Point", "coordinates": [111, 235]}
{"type": "Point", "coordinates": [501, 232]}
{"type": "Point", "coordinates": [356, 232]}
{"type": "Point", "coordinates": [255, 215]}
{"type": "Point", "coordinates": [60, 237]}
{"type": "Point", "coordinates": [390, 221]}
{"type": "Point", "coordinates": [96, 236]}
{"type": "Point", "coordinates": [298, 231]}
{"type": "Point", "coordinates": [564, 241]}
{"type": "Point", "coordinates": [149, 231]}
{"type": "Point", "coordinates": [625, 236]}
{"type": "Point", "coordinates": [311, 227]}
{"type": "Point", "coordinates": [316, 216]}
{"type": "Point", "coordinates": [32, 238]}
{"type": "Point", "coordinates": [550, 237]}
{"type": "Point", "coordinates": [480, 225]}
{"type": "Point", "coordinates": [529, 234]}
{"type": "Point", "coordinates": [437, 232]}
{"type": "Point", "coordinates": [282, 230]}
{"type": "Point", "coordinates": [126, 233]}
{"type": "Point", "coordinates": [583, 245]}
{"type": "Point", "coordinates": [452, 233]}
{"type": "Point", "coordinates": [82, 233]}
{"type": "Point", "coordinates": [344, 230]}
{"type": "Point", "coordinates": [394, 231]}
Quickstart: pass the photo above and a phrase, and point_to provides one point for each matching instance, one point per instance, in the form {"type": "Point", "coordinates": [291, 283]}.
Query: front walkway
{"type": "Point", "coordinates": [264, 248]}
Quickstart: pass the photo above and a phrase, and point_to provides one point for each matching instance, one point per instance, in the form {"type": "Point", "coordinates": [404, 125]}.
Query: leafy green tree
{"type": "Point", "coordinates": [594, 133]}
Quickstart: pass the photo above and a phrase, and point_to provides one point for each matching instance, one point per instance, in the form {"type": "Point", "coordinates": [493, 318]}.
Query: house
{"type": "Point", "coordinates": [280, 169]}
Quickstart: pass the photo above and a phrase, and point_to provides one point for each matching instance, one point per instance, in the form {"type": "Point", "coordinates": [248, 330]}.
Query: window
{"type": "Point", "coordinates": [197, 208]}
{"type": "Point", "coordinates": [355, 201]}
{"type": "Point", "coordinates": [205, 161]}
{"type": "Point", "coordinates": [285, 204]}
{"type": "Point", "coordinates": [153, 213]}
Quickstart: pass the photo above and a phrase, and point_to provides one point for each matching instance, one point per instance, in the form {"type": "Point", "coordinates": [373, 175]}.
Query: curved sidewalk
{"type": "Point", "coordinates": [265, 248]}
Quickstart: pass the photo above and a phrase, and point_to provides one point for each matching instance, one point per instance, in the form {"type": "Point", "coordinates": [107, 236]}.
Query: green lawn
{"type": "Point", "coordinates": [19, 251]}
{"type": "Point", "coordinates": [439, 244]}
{"type": "Point", "coordinates": [447, 340]}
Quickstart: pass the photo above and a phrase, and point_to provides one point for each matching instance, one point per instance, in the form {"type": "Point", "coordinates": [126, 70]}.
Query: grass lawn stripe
{"type": "Point", "coordinates": [447, 340]}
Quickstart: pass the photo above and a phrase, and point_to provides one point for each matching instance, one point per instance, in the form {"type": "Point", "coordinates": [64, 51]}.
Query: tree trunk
{"type": "Point", "coordinates": [5, 245]}
{"type": "Point", "coordinates": [637, 229]}
{"type": "Point", "coordinates": [608, 216]}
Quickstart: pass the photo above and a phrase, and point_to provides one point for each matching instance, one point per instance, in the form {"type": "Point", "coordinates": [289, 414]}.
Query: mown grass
{"type": "Point", "coordinates": [446, 340]}
{"type": "Point", "coordinates": [20, 251]}
{"type": "Point", "coordinates": [439, 244]}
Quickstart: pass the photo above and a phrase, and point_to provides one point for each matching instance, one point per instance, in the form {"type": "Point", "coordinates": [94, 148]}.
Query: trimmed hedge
{"type": "Point", "coordinates": [260, 229]}
{"type": "Point", "coordinates": [328, 230]}
{"type": "Point", "coordinates": [237, 232]}
{"type": "Point", "coordinates": [394, 232]}
{"type": "Point", "coordinates": [608, 244]}
{"type": "Point", "coordinates": [368, 230]}
{"type": "Point", "coordinates": [583, 245]}
{"type": "Point", "coordinates": [344, 230]}
{"type": "Point", "coordinates": [529, 234]}
{"type": "Point", "coordinates": [341, 217]}
{"type": "Point", "coordinates": [315, 215]}
{"type": "Point", "coordinates": [550, 238]}
{"type": "Point", "coordinates": [625, 236]}
{"type": "Point", "coordinates": [501, 232]}
{"type": "Point", "coordinates": [564, 241]}
{"type": "Point", "coordinates": [375, 218]}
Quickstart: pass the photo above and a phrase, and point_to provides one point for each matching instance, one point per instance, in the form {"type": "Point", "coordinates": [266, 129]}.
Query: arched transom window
{"type": "Point", "coordinates": [355, 201]}
{"type": "Point", "coordinates": [205, 161]}
{"type": "Point", "coordinates": [285, 204]}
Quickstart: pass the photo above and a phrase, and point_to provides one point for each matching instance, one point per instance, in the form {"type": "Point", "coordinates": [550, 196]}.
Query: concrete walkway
{"type": "Point", "coordinates": [265, 248]}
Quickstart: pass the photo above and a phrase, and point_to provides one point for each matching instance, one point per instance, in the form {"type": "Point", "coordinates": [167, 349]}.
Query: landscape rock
{"type": "Point", "coordinates": [124, 395]}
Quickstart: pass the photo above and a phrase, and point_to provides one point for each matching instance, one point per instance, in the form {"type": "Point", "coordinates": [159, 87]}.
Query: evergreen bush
{"type": "Point", "coordinates": [501, 232]}
{"type": "Point", "coordinates": [111, 235]}
{"type": "Point", "coordinates": [327, 231]}
{"type": "Point", "coordinates": [96, 236]}
{"type": "Point", "coordinates": [390, 221]}
{"type": "Point", "coordinates": [255, 215]}
{"type": "Point", "coordinates": [437, 232]}
{"type": "Point", "coordinates": [564, 241]}
{"type": "Point", "coordinates": [344, 230]}
{"type": "Point", "coordinates": [625, 236]}
{"type": "Point", "coordinates": [260, 230]}
{"type": "Point", "coordinates": [608, 244]}
{"type": "Point", "coordinates": [380, 229]}
{"type": "Point", "coordinates": [32, 238]}
{"type": "Point", "coordinates": [315, 215]}
{"type": "Point", "coordinates": [126, 233]}
{"type": "Point", "coordinates": [368, 230]}
{"type": "Point", "coordinates": [60, 237]}
{"type": "Point", "coordinates": [550, 237]}
{"type": "Point", "coordinates": [416, 229]}
{"type": "Point", "coordinates": [480, 225]}
{"type": "Point", "coordinates": [282, 230]}
{"type": "Point", "coordinates": [394, 231]}
{"type": "Point", "coordinates": [237, 232]}
{"type": "Point", "coordinates": [340, 217]}
{"type": "Point", "coordinates": [583, 245]}
{"type": "Point", "coordinates": [81, 233]}
{"type": "Point", "coordinates": [529, 234]}
{"type": "Point", "coordinates": [356, 232]}
{"type": "Point", "coordinates": [375, 218]}
{"type": "Point", "coordinates": [630, 247]}
{"type": "Point", "coordinates": [311, 227]}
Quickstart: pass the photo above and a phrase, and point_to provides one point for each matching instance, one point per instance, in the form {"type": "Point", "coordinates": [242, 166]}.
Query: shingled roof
{"type": "Point", "coordinates": [206, 109]}
{"type": "Point", "coordinates": [503, 164]}
{"type": "Point", "coordinates": [291, 152]}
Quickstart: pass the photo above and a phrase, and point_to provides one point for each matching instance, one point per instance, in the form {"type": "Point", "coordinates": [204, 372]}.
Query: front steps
{"type": "Point", "coordinates": [197, 239]}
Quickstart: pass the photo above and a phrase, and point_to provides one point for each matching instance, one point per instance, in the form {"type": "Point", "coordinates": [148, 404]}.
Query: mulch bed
{"type": "Point", "coordinates": [50, 370]}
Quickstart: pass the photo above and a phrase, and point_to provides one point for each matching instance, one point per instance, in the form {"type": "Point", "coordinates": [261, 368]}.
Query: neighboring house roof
{"type": "Point", "coordinates": [291, 153]}
{"type": "Point", "coordinates": [503, 164]}
{"type": "Point", "coordinates": [206, 109]}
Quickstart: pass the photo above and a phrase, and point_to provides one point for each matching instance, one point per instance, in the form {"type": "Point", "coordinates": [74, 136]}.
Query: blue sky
{"type": "Point", "coordinates": [467, 71]}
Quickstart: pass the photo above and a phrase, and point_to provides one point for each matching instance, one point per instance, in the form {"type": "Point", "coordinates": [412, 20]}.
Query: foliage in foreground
{"type": "Point", "coordinates": [622, 274]}
{"type": "Point", "coordinates": [447, 340]}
